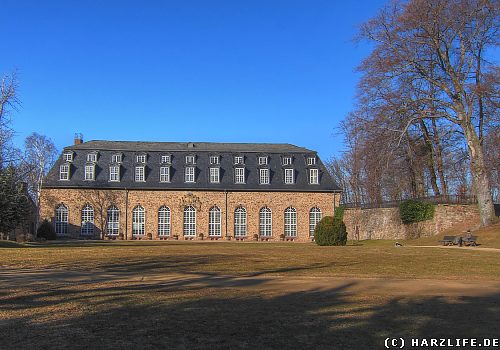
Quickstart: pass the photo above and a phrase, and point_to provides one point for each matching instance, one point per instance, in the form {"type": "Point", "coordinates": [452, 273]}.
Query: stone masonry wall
{"type": "Point", "coordinates": [151, 200]}
{"type": "Point", "coordinates": [385, 223]}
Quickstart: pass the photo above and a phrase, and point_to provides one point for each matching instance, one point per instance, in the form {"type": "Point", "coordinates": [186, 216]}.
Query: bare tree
{"type": "Point", "coordinates": [8, 101]}
{"type": "Point", "coordinates": [437, 49]}
{"type": "Point", "coordinates": [101, 200]}
{"type": "Point", "coordinates": [40, 154]}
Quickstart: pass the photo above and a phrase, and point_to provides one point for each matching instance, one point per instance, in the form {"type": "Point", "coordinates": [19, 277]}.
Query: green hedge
{"type": "Point", "coordinates": [412, 211]}
{"type": "Point", "coordinates": [330, 231]}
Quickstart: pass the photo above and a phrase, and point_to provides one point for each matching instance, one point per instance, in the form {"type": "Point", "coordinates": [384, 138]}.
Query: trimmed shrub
{"type": "Point", "coordinates": [412, 211]}
{"type": "Point", "coordinates": [330, 232]}
{"type": "Point", "coordinates": [46, 230]}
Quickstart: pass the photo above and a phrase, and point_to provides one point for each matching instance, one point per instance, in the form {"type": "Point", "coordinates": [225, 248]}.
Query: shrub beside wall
{"type": "Point", "coordinates": [330, 231]}
{"type": "Point", "coordinates": [46, 230]}
{"type": "Point", "coordinates": [412, 211]}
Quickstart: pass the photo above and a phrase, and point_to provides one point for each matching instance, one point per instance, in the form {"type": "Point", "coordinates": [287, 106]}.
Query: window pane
{"type": "Point", "coordinates": [240, 222]}
{"type": "Point", "coordinates": [214, 222]}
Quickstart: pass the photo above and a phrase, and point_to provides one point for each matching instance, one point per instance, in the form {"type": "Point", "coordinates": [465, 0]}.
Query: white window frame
{"type": "Point", "coordinates": [189, 221]}
{"type": "Point", "coordinates": [214, 160]}
{"type": "Point", "coordinates": [113, 221]}
{"type": "Point", "coordinates": [164, 221]}
{"type": "Point", "coordinates": [64, 172]}
{"type": "Point", "coordinates": [89, 172]}
{"type": "Point", "coordinates": [314, 218]}
{"type": "Point", "coordinates": [189, 174]}
{"type": "Point", "coordinates": [114, 173]}
{"type": "Point", "coordinates": [311, 160]}
{"type": "Point", "coordinates": [140, 158]}
{"type": "Point", "coordinates": [87, 228]}
{"type": "Point", "coordinates": [214, 222]}
{"type": "Point", "coordinates": [116, 158]}
{"type": "Point", "coordinates": [92, 157]}
{"type": "Point", "coordinates": [61, 220]}
{"type": "Point", "coordinates": [165, 159]}
{"type": "Point", "coordinates": [68, 156]}
{"type": "Point", "coordinates": [264, 176]}
{"type": "Point", "coordinates": [165, 174]}
{"type": "Point", "coordinates": [290, 222]}
{"type": "Point", "coordinates": [140, 173]}
{"type": "Point", "coordinates": [287, 160]}
{"type": "Point", "coordinates": [289, 176]}
{"type": "Point", "coordinates": [239, 175]}
{"type": "Point", "coordinates": [263, 160]}
{"type": "Point", "coordinates": [138, 221]}
{"type": "Point", "coordinates": [239, 160]}
{"type": "Point", "coordinates": [265, 222]}
{"type": "Point", "coordinates": [190, 159]}
{"type": "Point", "coordinates": [314, 176]}
{"type": "Point", "coordinates": [214, 175]}
{"type": "Point", "coordinates": [240, 222]}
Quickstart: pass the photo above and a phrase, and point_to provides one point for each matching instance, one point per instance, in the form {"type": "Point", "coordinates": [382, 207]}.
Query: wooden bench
{"type": "Point", "coordinates": [448, 240]}
{"type": "Point", "coordinates": [470, 241]}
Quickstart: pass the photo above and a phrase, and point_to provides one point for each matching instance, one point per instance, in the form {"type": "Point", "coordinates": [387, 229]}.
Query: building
{"type": "Point", "coordinates": [172, 190]}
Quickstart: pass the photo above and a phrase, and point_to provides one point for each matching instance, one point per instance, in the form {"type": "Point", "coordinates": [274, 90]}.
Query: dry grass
{"type": "Point", "coordinates": [210, 308]}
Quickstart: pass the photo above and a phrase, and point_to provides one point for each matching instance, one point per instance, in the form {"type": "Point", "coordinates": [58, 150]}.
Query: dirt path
{"type": "Point", "coordinates": [15, 278]}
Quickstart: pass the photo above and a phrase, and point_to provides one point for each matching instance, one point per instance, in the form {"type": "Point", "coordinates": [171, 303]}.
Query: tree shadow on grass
{"type": "Point", "coordinates": [212, 311]}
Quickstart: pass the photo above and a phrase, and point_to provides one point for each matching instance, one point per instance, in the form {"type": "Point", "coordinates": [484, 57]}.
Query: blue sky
{"type": "Point", "coordinates": [221, 71]}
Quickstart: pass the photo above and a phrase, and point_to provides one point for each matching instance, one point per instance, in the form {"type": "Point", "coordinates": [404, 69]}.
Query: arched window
{"type": "Point", "coordinates": [189, 221]}
{"type": "Point", "coordinates": [138, 219]}
{"type": "Point", "coordinates": [290, 222]}
{"type": "Point", "coordinates": [113, 221]}
{"type": "Point", "coordinates": [240, 222]}
{"type": "Point", "coordinates": [214, 227]}
{"type": "Point", "coordinates": [163, 221]}
{"type": "Point", "coordinates": [87, 220]}
{"type": "Point", "coordinates": [265, 224]}
{"type": "Point", "coordinates": [61, 220]}
{"type": "Point", "coordinates": [314, 218]}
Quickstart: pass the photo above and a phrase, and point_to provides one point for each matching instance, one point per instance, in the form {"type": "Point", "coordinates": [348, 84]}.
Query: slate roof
{"type": "Point", "coordinates": [202, 151]}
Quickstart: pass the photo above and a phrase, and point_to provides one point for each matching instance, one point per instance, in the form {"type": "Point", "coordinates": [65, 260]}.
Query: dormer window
{"type": "Point", "coordinates": [89, 172]}
{"type": "Point", "coordinates": [289, 176]}
{"type": "Point", "coordinates": [116, 158]}
{"type": "Point", "coordinates": [140, 174]}
{"type": "Point", "coordinates": [287, 160]}
{"type": "Point", "coordinates": [214, 160]}
{"type": "Point", "coordinates": [140, 158]}
{"type": "Point", "coordinates": [114, 173]}
{"type": "Point", "coordinates": [165, 159]}
{"type": "Point", "coordinates": [238, 160]}
{"type": "Point", "coordinates": [311, 160]}
{"type": "Point", "coordinates": [92, 157]}
{"type": "Point", "coordinates": [64, 172]}
{"type": "Point", "coordinates": [313, 176]}
{"type": "Point", "coordinates": [189, 174]}
{"type": "Point", "coordinates": [262, 160]}
{"type": "Point", "coordinates": [239, 175]}
{"type": "Point", "coordinates": [190, 159]}
{"type": "Point", "coordinates": [68, 156]}
{"type": "Point", "coordinates": [264, 176]}
{"type": "Point", "coordinates": [165, 174]}
{"type": "Point", "coordinates": [214, 175]}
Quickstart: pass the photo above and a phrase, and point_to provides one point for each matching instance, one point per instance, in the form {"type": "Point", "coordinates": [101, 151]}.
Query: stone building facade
{"type": "Point", "coordinates": [156, 190]}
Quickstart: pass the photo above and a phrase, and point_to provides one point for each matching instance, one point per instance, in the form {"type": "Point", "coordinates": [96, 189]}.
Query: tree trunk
{"type": "Point", "coordinates": [439, 158]}
{"type": "Point", "coordinates": [430, 158]}
{"type": "Point", "coordinates": [479, 174]}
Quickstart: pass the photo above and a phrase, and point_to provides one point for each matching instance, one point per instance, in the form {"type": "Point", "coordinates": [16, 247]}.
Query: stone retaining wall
{"type": "Point", "coordinates": [385, 223]}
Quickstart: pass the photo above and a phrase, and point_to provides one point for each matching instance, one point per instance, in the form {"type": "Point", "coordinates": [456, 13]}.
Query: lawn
{"type": "Point", "coordinates": [189, 295]}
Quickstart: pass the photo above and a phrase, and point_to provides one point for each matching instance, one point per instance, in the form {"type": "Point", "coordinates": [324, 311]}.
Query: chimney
{"type": "Point", "coordinates": [78, 138]}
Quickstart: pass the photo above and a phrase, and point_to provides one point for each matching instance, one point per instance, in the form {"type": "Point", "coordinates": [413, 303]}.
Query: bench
{"type": "Point", "coordinates": [449, 240]}
{"type": "Point", "coordinates": [470, 241]}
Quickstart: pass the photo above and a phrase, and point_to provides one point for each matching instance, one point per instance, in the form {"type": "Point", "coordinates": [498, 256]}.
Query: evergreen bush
{"type": "Point", "coordinates": [330, 231]}
{"type": "Point", "coordinates": [412, 211]}
{"type": "Point", "coordinates": [46, 230]}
